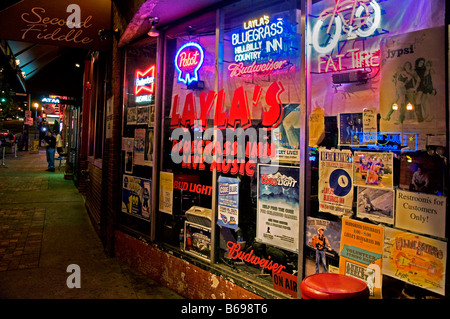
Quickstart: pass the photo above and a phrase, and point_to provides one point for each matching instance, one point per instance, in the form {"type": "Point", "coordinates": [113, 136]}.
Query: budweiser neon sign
{"type": "Point", "coordinates": [145, 81]}
{"type": "Point", "coordinates": [188, 61]}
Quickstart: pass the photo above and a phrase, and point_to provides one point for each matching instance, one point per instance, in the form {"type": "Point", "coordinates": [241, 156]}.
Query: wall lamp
{"type": "Point", "coordinates": [153, 21]}
{"type": "Point", "coordinates": [106, 34]}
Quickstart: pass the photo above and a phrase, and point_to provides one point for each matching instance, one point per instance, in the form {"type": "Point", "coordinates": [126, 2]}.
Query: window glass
{"type": "Point", "coordinates": [138, 137]}
{"type": "Point", "coordinates": [377, 143]}
{"type": "Point", "coordinates": [259, 120]}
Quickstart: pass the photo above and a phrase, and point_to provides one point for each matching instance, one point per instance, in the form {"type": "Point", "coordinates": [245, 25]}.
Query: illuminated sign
{"type": "Point", "coordinates": [386, 141]}
{"type": "Point", "coordinates": [356, 18]}
{"type": "Point", "coordinates": [145, 81]}
{"type": "Point", "coordinates": [188, 61]}
{"type": "Point", "coordinates": [147, 98]}
{"type": "Point", "coordinates": [359, 59]}
{"type": "Point", "coordinates": [259, 40]}
{"type": "Point", "coordinates": [50, 100]}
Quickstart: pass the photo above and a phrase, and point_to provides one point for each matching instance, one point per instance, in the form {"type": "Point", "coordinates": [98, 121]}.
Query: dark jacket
{"type": "Point", "coordinates": [51, 141]}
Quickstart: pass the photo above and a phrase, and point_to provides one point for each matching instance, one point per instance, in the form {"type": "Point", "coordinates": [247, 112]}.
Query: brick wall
{"type": "Point", "coordinates": [94, 195]}
{"type": "Point", "coordinates": [182, 277]}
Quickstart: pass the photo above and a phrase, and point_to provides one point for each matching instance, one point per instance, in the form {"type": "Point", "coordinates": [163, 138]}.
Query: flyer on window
{"type": "Point", "coordinates": [139, 146]}
{"type": "Point", "coordinates": [278, 206]}
{"type": "Point", "coordinates": [228, 202]}
{"type": "Point", "coordinates": [415, 259]}
{"type": "Point", "coordinates": [335, 181]}
{"type": "Point", "coordinates": [287, 135]}
{"type": "Point", "coordinates": [375, 204]}
{"type": "Point", "coordinates": [374, 169]}
{"type": "Point", "coordinates": [421, 213]}
{"type": "Point", "coordinates": [165, 192]}
{"type": "Point", "coordinates": [361, 253]}
{"type": "Point", "coordinates": [136, 197]}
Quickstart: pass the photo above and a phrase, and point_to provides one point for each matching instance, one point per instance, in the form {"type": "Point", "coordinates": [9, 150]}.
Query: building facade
{"type": "Point", "coordinates": [251, 144]}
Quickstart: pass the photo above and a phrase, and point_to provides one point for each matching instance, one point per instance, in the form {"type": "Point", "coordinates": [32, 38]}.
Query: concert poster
{"type": "Point", "coordinates": [415, 259]}
{"type": "Point", "coordinates": [361, 253]}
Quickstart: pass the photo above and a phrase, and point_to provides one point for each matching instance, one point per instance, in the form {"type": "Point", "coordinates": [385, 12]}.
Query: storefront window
{"type": "Point", "coordinates": [230, 132]}
{"type": "Point", "coordinates": [230, 189]}
{"type": "Point", "coordinates": [377, 145]}
{"type": "Point", "coordinates": [138, 137]}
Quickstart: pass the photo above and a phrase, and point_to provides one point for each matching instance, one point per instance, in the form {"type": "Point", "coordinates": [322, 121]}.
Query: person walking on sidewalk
{"type": "Point", "coordinates": [50, 140]}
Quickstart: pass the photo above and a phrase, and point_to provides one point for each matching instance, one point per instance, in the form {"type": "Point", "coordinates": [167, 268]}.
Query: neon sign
{"type": "Point", "coordinates": [249, 44]}
{"type": "Point", "coordinates": [50, 100]}
{"type": "Point", "coordinates": [359, 59]}
{"type": "Point", "coordinates": [386, 141]}
{"type": "Point", "coordinates": [188, 61]}
{"type": "Point", "coordinates": [356, 18]}
{"type": "Point", "coordinates": [145, 81]}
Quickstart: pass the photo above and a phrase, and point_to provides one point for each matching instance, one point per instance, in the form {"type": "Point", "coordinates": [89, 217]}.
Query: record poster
{"type": "Point", "coordinates": [335, 181]}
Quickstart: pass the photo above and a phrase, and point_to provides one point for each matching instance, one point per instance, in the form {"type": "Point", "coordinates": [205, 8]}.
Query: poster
{"type": "Point", "coordinates": [361, 253]}
{"type": "Point", "coordinates": [136, 196]}
{"type": "Point", "coordinates": [287, 135]}
{"type": "Point", "coordinates": [131, 115]}
{"type": "Point", "coordinates": [197, 240]}
{"type": "Point", "coordinates": [139, 146]}
{"type": "Point", "coordinates": [335, 181]}
{"type": "Point", "coordinates": [278, 206]}
{"type": "Point", "coordinates": [412, 87]}
{"type": "Point", "coordinates": [142, 115]}
{"type": "Point", "coordinates": [422, 173]}
{"type": "Point", "coordinates": [374, 169]}
{"type": "Point", "coordinates": [415, 259]}
{"type": "Point", "coordinates": [369, 120]}
{"type": "Point", "coordinates": [316, 127]}
{"type": "Point", "coordinates": [228, 202]}
{"type": "Point", "coordinates": [376, 204]}
{"type": "Point", "coordinates": [350, 124]}
{"type": "Point", "coordinates": [148, 151]}
{"type": "Point", "coordinates": [421, 213]}
{"type": "Point", "coordinates": [332, 232]}
{"type": "Point", "coordinates": [165, 192]}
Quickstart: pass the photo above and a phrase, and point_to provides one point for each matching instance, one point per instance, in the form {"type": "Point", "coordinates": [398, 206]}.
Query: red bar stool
{"type": "Point", "coordinates": [333, 286]}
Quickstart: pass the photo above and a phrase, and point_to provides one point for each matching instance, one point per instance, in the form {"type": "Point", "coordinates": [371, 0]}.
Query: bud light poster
{"type": "Point", "coordinates": [278, 206]}
{"type": "Point", "coordinates": [228, 202]}
{"type": "Point", "coordinates": [335, 181]}
{"type": "Point", "coordinates": [136, 197]}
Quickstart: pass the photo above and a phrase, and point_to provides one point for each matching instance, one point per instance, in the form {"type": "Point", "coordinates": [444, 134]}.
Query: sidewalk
{"type": "Point", "coordinates": [44, 228]}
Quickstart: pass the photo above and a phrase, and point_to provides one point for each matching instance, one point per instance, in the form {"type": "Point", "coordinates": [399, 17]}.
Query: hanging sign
{"type": "Point", "coordinates": [61, 23]}
{"type": "Point", "coordinates": [188, 61]}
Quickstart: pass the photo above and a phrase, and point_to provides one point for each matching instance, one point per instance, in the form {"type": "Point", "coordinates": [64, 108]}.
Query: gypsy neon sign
{"type": "Point", "coordinates": [145, 81]}
{"type": "Point", "coordinates": [356, 18]}
{"type": "Point", "coordinates": [188, 61]}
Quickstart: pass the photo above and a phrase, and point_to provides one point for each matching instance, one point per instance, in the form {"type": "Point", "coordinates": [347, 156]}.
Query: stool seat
{"type": "Point", "coordinates": [333, 286]}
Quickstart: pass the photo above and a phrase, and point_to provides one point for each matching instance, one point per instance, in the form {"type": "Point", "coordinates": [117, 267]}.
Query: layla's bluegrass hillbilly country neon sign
{"type": "Point", "coordinates": [255, 43]}
{"type": "Point", "coordinates": [188, 61]}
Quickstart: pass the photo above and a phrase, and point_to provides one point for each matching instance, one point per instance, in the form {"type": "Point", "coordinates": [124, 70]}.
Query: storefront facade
{"type": "Point", "coordinates": [249, 132]}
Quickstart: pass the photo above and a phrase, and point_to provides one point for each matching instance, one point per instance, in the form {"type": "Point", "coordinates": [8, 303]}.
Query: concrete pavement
{"type": "Point", "coordinates": [44, 228]}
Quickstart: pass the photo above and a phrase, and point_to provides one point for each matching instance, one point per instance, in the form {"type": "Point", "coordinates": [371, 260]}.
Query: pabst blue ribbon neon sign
{"type": "Point", "coordinates": [188, 61]}
{"type": "Point", "coordinates": [145, 81]}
